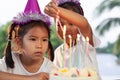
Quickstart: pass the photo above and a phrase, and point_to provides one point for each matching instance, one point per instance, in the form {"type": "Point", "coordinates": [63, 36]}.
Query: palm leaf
{"type": "Point", "coordinates": [107, 24]}
{"type": "Point", "coordinates": [106, 5]}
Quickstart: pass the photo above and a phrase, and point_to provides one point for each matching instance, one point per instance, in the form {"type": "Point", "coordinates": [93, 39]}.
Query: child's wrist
{"type": "Point", "coordinates": [33, 77]}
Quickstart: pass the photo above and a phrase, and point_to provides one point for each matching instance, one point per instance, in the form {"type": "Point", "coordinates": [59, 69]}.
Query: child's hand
{"type": "Point", "coordinates": [51, 9]}
{"type": "Point", "coordinates": [40, 76]}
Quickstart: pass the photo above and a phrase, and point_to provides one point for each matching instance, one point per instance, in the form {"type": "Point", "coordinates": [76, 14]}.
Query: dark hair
{"type": "Point", "coordinates": [72, 6]}
{"type": "Point", "coordinates": [20, 31]}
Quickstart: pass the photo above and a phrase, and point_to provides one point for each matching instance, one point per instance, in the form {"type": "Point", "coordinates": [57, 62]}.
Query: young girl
{"type": "Point", "coordinates": [71, 15]}
{"type": "Point", "coordinates": [28, 41]}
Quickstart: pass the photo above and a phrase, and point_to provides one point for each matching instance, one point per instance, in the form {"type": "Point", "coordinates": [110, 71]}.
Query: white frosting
{"type": "Point", "coordinates": [52, 77]}
{"type": "Point", "coordinates": [74, 74]}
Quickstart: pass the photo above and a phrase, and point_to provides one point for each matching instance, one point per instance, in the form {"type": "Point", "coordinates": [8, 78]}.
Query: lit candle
{"type": "Point", "coordinates": [87, 46]}
{"type": "Point", "coordinates": [87, 41]}
{"type": "Point", "coordinates": [64, 38]}
{"type": "Point", "coordinates": [70, 45]}
{"type": "Point", "coordinates": [77, 46]}
{"type": "Point", "coordinates": [78, 37]}
{"type": "Point", "coordinates": [83, 47]}
{"type": "Point", "coordinates": [70, 40]}
{"type": "Point", "coordinates": [84, 44]}
{"type": "Point", "coordinates": [64, 31]}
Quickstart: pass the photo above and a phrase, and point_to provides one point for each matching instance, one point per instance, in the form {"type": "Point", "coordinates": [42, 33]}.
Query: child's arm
{"type": "Point", "coordinates": [75, 18]}
{"type": "Point", "coordinates": [10, 76]}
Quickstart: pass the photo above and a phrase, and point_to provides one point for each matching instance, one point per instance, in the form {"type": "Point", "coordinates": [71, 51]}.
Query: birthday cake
{"type": "Point", "coordinates": [75, 61]}
{"type": "Point", "coordinates": [85, 71]}
{"type": "Point", "coordinates": [74, 74]}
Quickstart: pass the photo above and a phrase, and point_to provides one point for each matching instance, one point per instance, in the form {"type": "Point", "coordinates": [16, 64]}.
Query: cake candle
{"type": "Point", "coordinates": [64, 38]}
{"type": "Point", "coordinates": [83, 46]}
{"type": "Point", "coordinates": [87, 46]}
{"type": "Point", "coordinates": [70, 47]}
{"type": "Point", "coordinates": [77, 52]}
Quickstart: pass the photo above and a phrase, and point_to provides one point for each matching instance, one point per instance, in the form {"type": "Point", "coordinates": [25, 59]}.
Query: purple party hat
{"type": "Point", "coordinates": [31, 12]}
{"type": "Point", "coordinates": [32, 6]}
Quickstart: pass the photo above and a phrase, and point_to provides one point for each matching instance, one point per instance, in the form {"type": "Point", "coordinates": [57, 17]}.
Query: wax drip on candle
{"type": "Point", "coordinates": [70, 45]}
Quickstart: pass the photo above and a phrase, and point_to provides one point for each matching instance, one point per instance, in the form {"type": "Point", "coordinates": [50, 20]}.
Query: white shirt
{"type": "Point", "coordinates": [47, 66]}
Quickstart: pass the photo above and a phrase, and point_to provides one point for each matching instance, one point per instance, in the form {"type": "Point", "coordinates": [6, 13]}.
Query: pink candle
{"type": "Point", "coordinates": [87, 46]}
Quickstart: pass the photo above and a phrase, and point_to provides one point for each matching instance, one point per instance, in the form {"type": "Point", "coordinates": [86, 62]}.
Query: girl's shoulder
{"type": "Point", "coordinates": [3, 66]}
{"type": "Point", "coordinates": [48, 65]}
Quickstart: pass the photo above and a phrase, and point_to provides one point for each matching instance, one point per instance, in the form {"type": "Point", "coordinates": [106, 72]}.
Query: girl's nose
{"type": "Point", "coordinates": [39, 44]}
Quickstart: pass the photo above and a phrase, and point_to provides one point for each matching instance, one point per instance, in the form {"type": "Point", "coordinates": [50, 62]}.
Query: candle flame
{"type": "Point", "coordinates": [87, 39]}
{"type": "Point", "coordinates": [78, 37]}
{"type": "Point", "coordinates": [64, 31]}
{"type": "Point", "coordinates": [70, 36]}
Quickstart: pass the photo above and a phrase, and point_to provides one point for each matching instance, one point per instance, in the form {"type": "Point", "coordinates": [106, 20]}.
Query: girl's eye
{"type": "Point", "coordinates": [32, 39]}
{"type": "Point", "coordinates": [46, 39]}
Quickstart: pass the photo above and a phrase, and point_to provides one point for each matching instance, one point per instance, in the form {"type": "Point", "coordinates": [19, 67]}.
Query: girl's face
{"type": "Point", "coordinates": [70, 30]}
{"type": "Point", "coordinates": [35, 43]}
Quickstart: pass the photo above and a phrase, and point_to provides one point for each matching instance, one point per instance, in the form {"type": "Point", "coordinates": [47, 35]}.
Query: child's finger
{"type": "Point", "coordinates": [53, 1]}
{"type": "Point", "coordinates": [52, 5]}
{"type": "Point", "coordinates": [50, 11]}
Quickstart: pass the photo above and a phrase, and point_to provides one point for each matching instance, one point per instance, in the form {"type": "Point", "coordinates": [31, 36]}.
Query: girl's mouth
{"type": "Point", "coordinates": [38, 53]}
